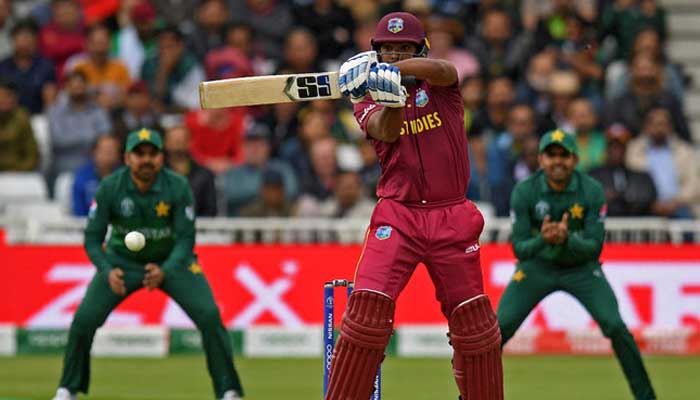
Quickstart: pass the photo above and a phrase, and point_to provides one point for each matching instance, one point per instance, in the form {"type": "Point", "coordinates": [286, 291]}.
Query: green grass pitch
{"type": "Point", "coordinates": [184, 377]}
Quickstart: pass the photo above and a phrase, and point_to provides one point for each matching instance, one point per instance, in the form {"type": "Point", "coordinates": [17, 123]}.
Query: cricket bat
{"type": "Point", "coordinates": [272, 89]}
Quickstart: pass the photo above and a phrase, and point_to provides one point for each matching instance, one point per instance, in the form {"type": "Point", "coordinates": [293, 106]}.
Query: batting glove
{"type": "Point", "coordinates": [353, 75]}
{"type": "Point", "coordinates": [384, 85]}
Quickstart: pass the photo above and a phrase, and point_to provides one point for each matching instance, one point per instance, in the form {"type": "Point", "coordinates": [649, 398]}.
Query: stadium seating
{"type": "Point", "coordinates": [21, 188]}
{"type": "Point", "coordinates": [40, 126]}
{"type": "Point", "coordinates": [62, 192]}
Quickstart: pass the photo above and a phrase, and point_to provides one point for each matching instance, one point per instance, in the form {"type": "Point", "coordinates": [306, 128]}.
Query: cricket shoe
{"type": "Point", "coordinates": [64, 394]}
{"type": "Point", "coordinates": [231, 395]}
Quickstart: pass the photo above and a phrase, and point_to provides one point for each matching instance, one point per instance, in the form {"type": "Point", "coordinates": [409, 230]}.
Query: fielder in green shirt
{"type": "Point", "coordinates": [558, 233]}
{"type": "Point", "coordinates": [145, 197]}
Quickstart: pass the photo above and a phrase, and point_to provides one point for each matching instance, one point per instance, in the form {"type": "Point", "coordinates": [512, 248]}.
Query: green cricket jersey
{"type": "Point", "coordinates": [164, 214]}
{"type": "Point", "coordinates": [584, 200]}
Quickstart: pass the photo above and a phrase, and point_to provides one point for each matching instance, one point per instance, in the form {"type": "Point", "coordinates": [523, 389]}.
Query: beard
{"type": "Point", "coordinates": [559, 174]}
{"type": "Point", "coordinates": [145, 172]}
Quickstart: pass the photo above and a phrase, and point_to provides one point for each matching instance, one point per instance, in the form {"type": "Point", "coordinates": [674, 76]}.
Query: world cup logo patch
{"type": "Point", "coordinates": [395, 25]}
{"type": "Point", "coordinates": [541, 208]}
{"type": "Point", "coordinates": [127, 207]}
{"type": "Point", "coordinates": [421, 98]}
{"type": "Point", "coordinates": [383, 232]}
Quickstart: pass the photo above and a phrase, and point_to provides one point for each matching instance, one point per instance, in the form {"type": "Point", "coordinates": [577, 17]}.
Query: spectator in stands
{"type": "Point", "coordinates": [176, 146]}
{"type": "Point", "coordinates": [533, 87]}
{"type": "Point", "coordinates": [445, 34]}
{"type": "Point", "coordinates": [590, 140]}
{"type": "Point", "coordinates": [240, 36]}
{"type": "Point", "coordinates": [176, 12]}
{"type": "Point", "coordinates": [34, 75]}
{"type": "Point", "coordinates": [578, 52]}
{"type": "Point", "coordinates": [210, 24]}
{"type": "Point", "coordinates": [504, 149]}
{"type": "Point", "coordinates": [296, 150]}
{"type": "Point", "coordinates": [341, 119]}
{"type": "Point", "coordinates": [525, 165]}
{"type": "Point", "coordinates": [108, 79]}
{"type": "Point", "coordinates": [554, 26]}
{"type": "Point", "coordinates": [349, 199]}
{"type": "Point", "coordinates": [370, 170]}
{"type": "Point", "coordinates": [534, 11]}
{"type": "Point", "coordinates": [38, 10]}
{"type": "Point", "coordinates": [498, 49]}
{"type": "Point", "coordinates": [6, 24]}
{"type": "Point", "coordinates": [136, 38]}
{"type": "Point", "coordinates": [272, 201]}
{"type": "Point", "coordinates": [627, 192]}
{"type": "Point", "coordinates": [227, 62]}
{"type": "Point", "coordinates": [271, 20]}
{"type": "Point", "coordinates": [647, 41]}
{"type": "Point", "coordinates": [623, 19]}
{"type": "Point", "coordinates": [137, 112]}
{"type": "Point", "coordinates": [670, 162]}
{"type": "Point", "coordinates": [64, 35]}
{"type": "Point", "coordinates": [489, 122]}
{"type": "Point", "coordinates": [75, 122]}
{"type": "Point", "coordinates": [331, 24]}
{"type": "Point", "coordinates": [645, 91]}
{"type": "Point", "coordinates": [283, 121]}
{"type": "Point", "coordinates": [563, 88]}
{"type": "Point", "coordinates": [473, 93]}
{"type": "Point", "coordinates": [324, 161]}
{"type": "Point", "coordinates": [300, 53]}
{"type": "Point", "coordinates": [106, 157]}
{"type": "Point", "coordinates": [242, 183]}
{"type": "Point", "coordinates": [361, 38]}
{"type": "Point", "coordinates": [98, 11]}
{"type": "Point", "coordinates": [173, 73]}
{"type": "Point", "coordinates": [18, 148]}
{"type": "Point", "coordinates": [216, 136]}
{"type": "Point", "coordinates": [319, 184]}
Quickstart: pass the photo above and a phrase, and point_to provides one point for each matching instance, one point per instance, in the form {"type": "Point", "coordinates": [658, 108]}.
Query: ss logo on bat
{"type": "Point", "coordinates": [311, 86]}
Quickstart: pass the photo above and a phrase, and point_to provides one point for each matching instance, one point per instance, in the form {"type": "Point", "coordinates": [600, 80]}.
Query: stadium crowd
{"type": "Point", "coordinates": [95, 70]}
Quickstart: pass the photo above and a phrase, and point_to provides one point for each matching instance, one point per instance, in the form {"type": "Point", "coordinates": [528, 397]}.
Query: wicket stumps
{"type": "Point", "coordinates": [329, 334]}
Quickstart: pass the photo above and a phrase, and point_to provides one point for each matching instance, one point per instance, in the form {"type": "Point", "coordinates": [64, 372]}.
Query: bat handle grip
{"type": "Point", "coordinates": [409, 80]}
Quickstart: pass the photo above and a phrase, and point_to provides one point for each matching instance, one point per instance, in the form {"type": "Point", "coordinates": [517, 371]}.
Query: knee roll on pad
{"type": "Point", "coordinates": [364, 334]}
{"type": "Point", "coordinates": [476, 340]}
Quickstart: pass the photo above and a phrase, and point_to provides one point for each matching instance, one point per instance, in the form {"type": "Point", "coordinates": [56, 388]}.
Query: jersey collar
{"type": "Point", "coordinates": [571, 187]}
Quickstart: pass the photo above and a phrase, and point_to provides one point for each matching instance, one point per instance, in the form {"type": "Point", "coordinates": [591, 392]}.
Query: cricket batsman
{"type": "Point", "coordinates": [143, 196]}
{"type": "Point", "coordinates": [422, 215]}
{"type": "Point", "coordinates": [558, 233]}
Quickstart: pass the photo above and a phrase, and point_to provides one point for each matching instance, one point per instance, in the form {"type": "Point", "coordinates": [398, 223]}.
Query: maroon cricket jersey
{"type": "Point", "coordinates": [429, 163]}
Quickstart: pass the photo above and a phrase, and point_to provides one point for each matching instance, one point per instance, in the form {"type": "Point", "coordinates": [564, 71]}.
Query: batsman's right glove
{"type": "Point", "coordinates": [353, 75]}
{"type": "Point", "coordinates": [384, 85]}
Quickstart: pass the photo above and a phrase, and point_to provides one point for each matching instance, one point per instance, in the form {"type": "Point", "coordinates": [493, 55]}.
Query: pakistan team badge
{"type": "Point", "coordinates": [383, 232]}
{"type": "Point", "coordinates": [541, 208]}
{"type": "Point", "coordinates": [127, 207]}
{"type": "Point", "coordinates": [421, 98]}
{"type": "Point", "coordinates": [395, 25]}
{"type": "Point", "coordinates": [162, 209]}
{"type": "Point", "coordinates": [93, 209]}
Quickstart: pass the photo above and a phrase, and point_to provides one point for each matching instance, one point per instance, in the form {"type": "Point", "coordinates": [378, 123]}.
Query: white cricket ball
{"type": "Point", "coordinates": [134, 241]}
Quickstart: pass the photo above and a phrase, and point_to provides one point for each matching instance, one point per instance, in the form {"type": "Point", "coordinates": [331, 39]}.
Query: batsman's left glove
{"type": "Point", "coordinates": [384, 85]}
{"type": "Point", "coordinates": [353, 75]}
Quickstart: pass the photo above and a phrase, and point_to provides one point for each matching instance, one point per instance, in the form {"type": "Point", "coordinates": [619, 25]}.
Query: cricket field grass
{"type": "Point", "coordinates": [184, 377]}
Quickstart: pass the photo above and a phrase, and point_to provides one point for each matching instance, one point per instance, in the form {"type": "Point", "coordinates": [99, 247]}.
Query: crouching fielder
{"type": "Point", "coordinates": [422, 215]}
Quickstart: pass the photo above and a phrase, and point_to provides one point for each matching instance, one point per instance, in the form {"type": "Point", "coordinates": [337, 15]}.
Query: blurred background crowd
{"type": "Point", "coordinates": [76, 76]}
